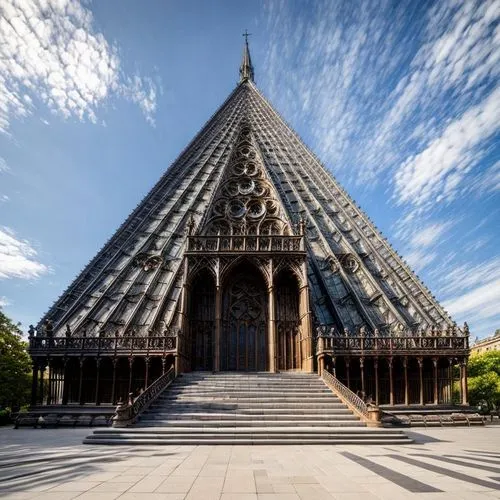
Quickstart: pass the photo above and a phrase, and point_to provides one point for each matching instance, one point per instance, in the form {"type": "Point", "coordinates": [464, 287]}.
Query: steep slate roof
{"type": "Point", "coordinates": [356, 279]}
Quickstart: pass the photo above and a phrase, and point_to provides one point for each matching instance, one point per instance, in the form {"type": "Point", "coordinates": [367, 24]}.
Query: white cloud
{"type": "Point", "coordinates": [4, 198]}
{"type": "Point", "coordinates": [480, 303]}
{"type": "Point", "coordinates": [49, 49]}
{"type": "Point", "coordinates": [18, 258]}
{"type": "Point", "coordinates": [3, 166]}
{"type": "Point", "coordinates": [436, 173]}
{"type": "Point", "coordinates": [418, 259]}
{"type": "Point", "coordinates": [4, 301]}
{"type": "Point", "coordinates": [427, 236]}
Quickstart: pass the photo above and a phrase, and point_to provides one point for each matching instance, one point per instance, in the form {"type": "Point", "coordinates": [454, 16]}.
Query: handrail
{"type": "Point", "coordinates": [103, 345]}
{"type": "Point", "coordinates": [128, 413]}
{"type": "Point", "coordinates": [246, 243]}
{"type": "Point", "coordinates": [355, 403]}
{"type": "Point", "coordinates": [388, 344]}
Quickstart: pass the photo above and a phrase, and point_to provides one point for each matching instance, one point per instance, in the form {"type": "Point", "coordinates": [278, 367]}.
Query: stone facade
{"type": "Point", "coordinates": [247, 255]}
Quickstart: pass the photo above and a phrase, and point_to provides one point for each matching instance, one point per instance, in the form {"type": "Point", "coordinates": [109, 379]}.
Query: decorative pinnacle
{"type": "Point", "coordinates": [246, 68]}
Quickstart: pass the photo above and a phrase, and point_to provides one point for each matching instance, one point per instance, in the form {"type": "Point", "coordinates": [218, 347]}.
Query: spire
{"type": "Point", "coordinates": [246, 68]}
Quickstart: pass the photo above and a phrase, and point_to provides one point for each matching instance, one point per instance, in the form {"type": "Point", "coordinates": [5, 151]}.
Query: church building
{"type": "Point", "coordinates": [248, 256]}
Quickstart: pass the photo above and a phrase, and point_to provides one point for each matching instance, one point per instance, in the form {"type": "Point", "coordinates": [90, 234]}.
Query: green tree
{"type": "Point", "coordinates": [15, 365]}
{"type": "Point", "coordinates": [484, 380]}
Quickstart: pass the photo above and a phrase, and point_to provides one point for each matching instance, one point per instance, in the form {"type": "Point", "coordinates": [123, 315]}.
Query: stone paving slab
{"type": "Point", "coordinates": [442, 464]}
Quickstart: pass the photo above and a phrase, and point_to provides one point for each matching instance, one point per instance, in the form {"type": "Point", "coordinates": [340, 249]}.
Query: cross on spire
{"type": "Point", "coordinates": [246, 68]}
{"type": "Point", "coordinates": [246, 35]}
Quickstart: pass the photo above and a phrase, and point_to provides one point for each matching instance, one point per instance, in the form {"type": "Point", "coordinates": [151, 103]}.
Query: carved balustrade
{"type": "Point", "coordinates": [106, 346]}
{"type": "Point", "coordinates": [393, 345]}
{"type": "Point", "coordinates": [128, 413]}
{"type": "Point", "coordinates": [246, 243]}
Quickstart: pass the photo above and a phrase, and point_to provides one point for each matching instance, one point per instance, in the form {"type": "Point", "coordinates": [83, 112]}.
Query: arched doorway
{"type": "Point", "coordinates": [202, 320]}
{"type": "Point", "coordinates": [287, 321]}
{"type": "Point", "coordinates": [244, 339]}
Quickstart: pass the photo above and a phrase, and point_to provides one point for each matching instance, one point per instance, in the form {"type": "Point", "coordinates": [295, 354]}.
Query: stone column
{"type": "Point", "coordinates": [362, 370]}
{"type": "Point", "coordinates": [50, 376]}
{"type": "Point", "coordinates": [272, 331]}
{"type": "Point", "coordinates": [98, 369]}
{"type": "Point", "coordinates": [80, 381]}
{"type": "Point", "coordinates": [391, 381]}
{"type": "Point", "coordinates": [420, 361]}
{"type": "Point", "coordinates": [306, 323]}
{"type": "Point", "coordinates": [34, 383]}
{"type": "Point", "coordinates": [435, 378]}
{"type": "Point", "coordinates": [375, 365]}
{"type": "Point", "coordinates": [218, 319]}
{"type": "Point", "coordinates": [463, 381]}
{"type": "Point", "coordinates": [130, 365]}
{"type": "Point", "coordinates": [65, 382]}
{"type": "Point", "coordinates": [42, 371]}
{"type": "Point", "coordinates": [405, 366]}
{"type": "Point", "coordinates": [184, 336]}
{"type": "Point", "coordinates": [147, 361]}
{"type": "Point", "coordinates": [450, 379]}
{"type": "Point", "coordinates": [113, 383]}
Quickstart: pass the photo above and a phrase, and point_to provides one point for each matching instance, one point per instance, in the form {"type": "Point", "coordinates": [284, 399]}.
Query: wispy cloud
{"type": "Point", "coordinates": [18, 258]}
{"type": "Point", "coordinates": [3, 166]}
{"type": "Point", "coordinates": [391, 86]}
{"type": "Point", "coordinates": [50, 50]}
{"type": "Point", "coordinates": [3, 301]}
{"type": "Point", "coordinates": [436, 173]}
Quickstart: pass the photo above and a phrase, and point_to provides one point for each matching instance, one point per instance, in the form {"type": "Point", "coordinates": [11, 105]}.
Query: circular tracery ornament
{"type": "Point", "coordinates": [246, 186]}
{"type": "Point", "coordinates": [236, 209]}
{"type": "Point", "coordinates": [256, 209]}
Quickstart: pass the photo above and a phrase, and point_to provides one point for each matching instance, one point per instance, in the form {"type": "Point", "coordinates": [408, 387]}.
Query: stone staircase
{"type": "Point", "coordinates": [248, 408]}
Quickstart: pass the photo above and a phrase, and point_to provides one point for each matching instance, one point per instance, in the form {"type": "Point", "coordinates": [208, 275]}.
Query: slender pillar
{"type": "Point", "coordinates": [347, 365]}
{"type": "Point", "coordinates": [375, 364]}
{"type": "Point", "coordinates": [65, 389]}
{"type": "Point", "coordinates": [307, 355]}
{"type": "Point", "coordinates": [272, 321]}
{"type": "Point", "coordinates": [34, 383]}
{"type": "Point", "coordinates": [218, 319]}
{"type": "Point", "coordinates": [163, 365]}
{"type": "Point", "coordinates": [362, 370]}
{"type": "Point", "coordinates": [113, 383]}
{"type": "Point", "coordinates": [391, 381]}
{"type": "Point", "coordinates": [130, 365]}
{"type": "Point", "coordinates": [147, 361]}
{"type": "Point", "coordinates": [405, 366]}
{"type": "Point", "coordinates": [97, 366]}
{"type": "Point", "coordinates": [450, 380]}
{"type": "Point", "coordinates": [80, 382]}
{"type": "Point", "coordinates": [420, 361]}
{"type": "Point", "coordinates": [463, 381]}
{"type": "Point", "coordinates": [435, 373]}
{"type": "Point", "coordinates": [50, 376]}
{"type": "Point", "coordinates": [42, 372]}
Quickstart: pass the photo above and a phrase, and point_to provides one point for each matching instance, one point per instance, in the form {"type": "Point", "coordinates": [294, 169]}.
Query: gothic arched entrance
{"type": "Point", "coordinates": [287, 321]}
{"type": "Point", "coordinates": [244, 339]}
{"type": "Point", "coordinates": [202, 321]}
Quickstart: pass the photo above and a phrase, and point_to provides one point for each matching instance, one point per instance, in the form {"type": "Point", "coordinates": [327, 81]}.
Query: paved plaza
{"type": "Point", "coordinates": [453, 463]}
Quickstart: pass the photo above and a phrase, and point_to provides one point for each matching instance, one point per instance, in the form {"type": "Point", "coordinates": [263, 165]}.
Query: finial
{"type": "Point", "coordinates": [246, 68]}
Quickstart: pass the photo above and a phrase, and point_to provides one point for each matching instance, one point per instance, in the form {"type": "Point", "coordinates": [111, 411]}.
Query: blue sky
{"type": "Point", "coordinates": [400, 100]}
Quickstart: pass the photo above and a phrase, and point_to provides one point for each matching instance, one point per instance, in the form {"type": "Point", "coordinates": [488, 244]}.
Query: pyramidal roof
{"type": "Point", "coordinates": [356, 279]}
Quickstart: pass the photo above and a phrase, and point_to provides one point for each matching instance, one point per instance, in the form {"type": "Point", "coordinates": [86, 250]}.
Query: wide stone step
{"type": "Point", "coordinates": [346, 422]}
{"type": "Point", "coordinates": [257, 418]}
{"type": "Point", "coordinates": [253, 390]}
{"type": "Point", "coordinates": [245, 435]}
{"type": "Point", "coordinates": [188, 412]}
{"type": "Point", "coordinates": [247, 405]}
